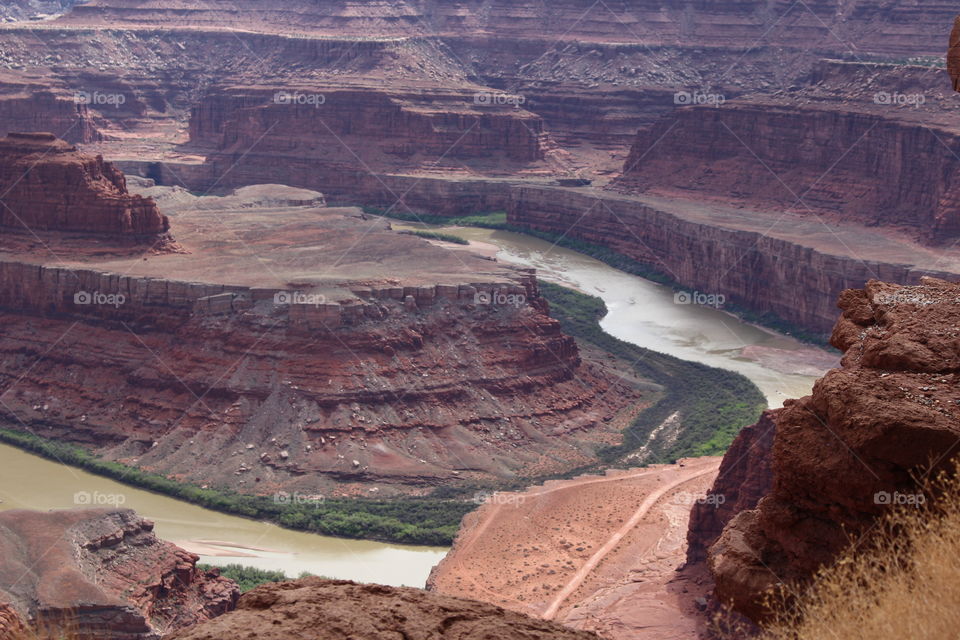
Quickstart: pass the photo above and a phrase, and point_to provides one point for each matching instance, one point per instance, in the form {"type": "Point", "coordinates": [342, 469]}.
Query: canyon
{"type": "Point", "coordinates": [234, 314]}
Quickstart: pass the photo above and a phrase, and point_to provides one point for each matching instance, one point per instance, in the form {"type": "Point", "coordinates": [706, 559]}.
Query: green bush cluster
{"type": "Point", "coordinates": [436, 235]}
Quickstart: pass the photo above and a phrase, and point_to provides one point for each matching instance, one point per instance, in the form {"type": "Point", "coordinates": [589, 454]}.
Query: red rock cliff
{"type": "Point", "coordinates": [347, 611]}
{"type": "Point", "coordinates": [875, 168]}
{"type": "Point", "coordinates": [842, 455]}
{"type": "Point", "coordinates": [49, 186]}
{"type": "Point", "coordinates": [106, 571]}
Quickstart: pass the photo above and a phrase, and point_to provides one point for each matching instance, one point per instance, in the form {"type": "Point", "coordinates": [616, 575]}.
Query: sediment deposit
{"type": "Point", "coordinates": [600, 553]}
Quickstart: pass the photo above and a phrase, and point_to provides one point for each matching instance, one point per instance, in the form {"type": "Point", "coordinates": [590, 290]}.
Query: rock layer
{"type": "Point", "coordinates": [340, 610]}
{"type": "Point", "coordinates": [49, 186]}
{"type": "Point", "coordinates": [844, 454]}
{"type": "Point", "coordinates": [872, 168]}
{"type": "Point", "coordinates": [105, 572]}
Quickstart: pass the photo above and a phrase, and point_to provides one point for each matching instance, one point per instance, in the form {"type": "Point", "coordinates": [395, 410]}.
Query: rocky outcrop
{"type": "Point", "coordinates": [348, 611]}
{"type": "Point", "coordinates": [953, 55]}
{"type": "Point", "coordinates": [859, 444]}
{"type": "Point", "coordinates": [104, 573]}
{"type": "Point", "coordinates": [743, 479]}
{"type": "Point", "coordinates": [873, 168]}
{"type": "Point", "coordinates": [49, 186]}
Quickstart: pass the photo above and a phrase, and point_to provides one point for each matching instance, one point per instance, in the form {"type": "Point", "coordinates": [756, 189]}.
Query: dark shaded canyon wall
{"type": "Point", "coordinates": [744, 477]}
{"type": "Point", "coordinates": [853, 166]}
{"type": "Point", "coordinates": [765, 274]}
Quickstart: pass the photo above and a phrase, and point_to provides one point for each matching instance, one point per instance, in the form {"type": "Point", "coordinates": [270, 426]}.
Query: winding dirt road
{"type": "Point", "coordinates": [615, 539]}
{"type": "Point", "coordinates": [584, 552]}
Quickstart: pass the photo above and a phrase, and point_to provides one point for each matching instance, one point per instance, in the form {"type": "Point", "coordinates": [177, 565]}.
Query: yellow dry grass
{"type": "Point", "coordinates": [905, 585]}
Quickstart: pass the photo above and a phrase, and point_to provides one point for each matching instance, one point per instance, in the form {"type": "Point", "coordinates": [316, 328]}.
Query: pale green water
{"type": "Point", "coordinates": [29, 482]}
{"type": "Point", "coordinates": [646, 314]}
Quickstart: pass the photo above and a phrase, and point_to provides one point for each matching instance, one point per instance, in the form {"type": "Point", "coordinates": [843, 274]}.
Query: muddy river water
{"type": "Point", "coordinates": [640, 312]}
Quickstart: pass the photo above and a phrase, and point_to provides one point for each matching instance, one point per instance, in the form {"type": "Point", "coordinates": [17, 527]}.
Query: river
{"type": "Point", "coordinates": [647, 314]}
{"type": "Point", "coordinates": [640, 312]}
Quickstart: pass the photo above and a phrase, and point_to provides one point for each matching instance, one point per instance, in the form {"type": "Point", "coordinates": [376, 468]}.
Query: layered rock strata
{"type": "Point", "coordinates": [49, 186]}
{"type": "Point", "coordinates": [104, 574]}
{"type": "Point", "coordinates": [872, 168]}
{"type": "Point", "coordinates": [841, 457]}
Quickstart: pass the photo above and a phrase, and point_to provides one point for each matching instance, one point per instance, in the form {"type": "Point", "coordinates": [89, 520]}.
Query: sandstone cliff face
{"type": "Point", "coordinates": [33, 107]}
{"type": "Point", "coordinates": [844, 454]}
{"type": "Point", "coordinates": [953, 55]}
{"type": "Point", "coordinates": [323, 123]}
{"type": "Point", "coordinates": [104, 570]}
{"type": "Point", "coordinates": [872, 168]}
{"type": "Point", "coordinates": [744, 477]}
{"type": "Point", "coordinates": [347, 611]}
{"type": "Point", "coordinates": [49, 186]}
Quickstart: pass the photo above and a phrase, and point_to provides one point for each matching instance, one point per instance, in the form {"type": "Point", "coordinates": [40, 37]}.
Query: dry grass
{"type": "Point", "coordinates": [906, 585]}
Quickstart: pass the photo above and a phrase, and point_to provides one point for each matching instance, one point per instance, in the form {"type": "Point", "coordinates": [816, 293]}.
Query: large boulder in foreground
{"type": "Point", "coordinates": [843, 455]}
{"type": "Point", "coordinates": [105, 572]}
{"type": "Point", "coordinates": [48, 185]}
{"type": "Point", "coordinates": [313, 609]}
